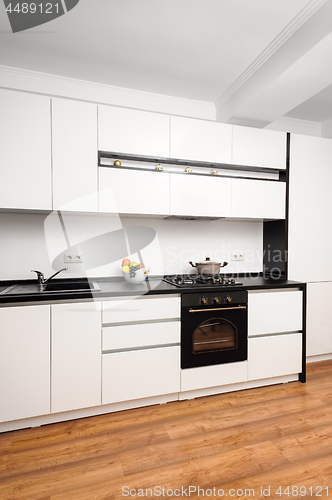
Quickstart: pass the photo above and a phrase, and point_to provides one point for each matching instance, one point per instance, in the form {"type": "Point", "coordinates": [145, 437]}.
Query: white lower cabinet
{"type": "Point", "coordinates": [213, 376]}
{"type": "Point", "coordinates": [319, 326]}
{"type": "Point", "coordinates": [274, 356]}
{"type": "Point", "coordinates": [140, 373]}
{"type": "Point", "coordinates": [140, 335]}
{"type": "Point", "coordinates": [24, 362]}
{"type": "Point", "coordinates": [274, 312]}
{"type": "Point", "coordinates": [140, 348]}
{"type": "Point", "coordinates": [275, 333]}
{"type": "Point", "coordinates": [76, 356]}
{"type": "Point", "coordinates": [128, 310]}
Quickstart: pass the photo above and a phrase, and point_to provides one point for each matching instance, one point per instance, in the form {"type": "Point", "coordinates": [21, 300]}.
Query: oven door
{"type": "Point", "coordinates": [211, 336]}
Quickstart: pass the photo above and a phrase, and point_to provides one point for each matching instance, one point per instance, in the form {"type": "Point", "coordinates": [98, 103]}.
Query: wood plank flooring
{"type": "Point", "coordinates": [249, 440]}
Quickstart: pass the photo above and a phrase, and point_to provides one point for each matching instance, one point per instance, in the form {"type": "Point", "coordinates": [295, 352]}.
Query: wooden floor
{"type": "Point", "coordinates": [253, 439]}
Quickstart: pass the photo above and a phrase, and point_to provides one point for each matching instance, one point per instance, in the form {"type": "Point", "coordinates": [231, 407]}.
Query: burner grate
{"type": "Point", "coordinates": [196, 280]}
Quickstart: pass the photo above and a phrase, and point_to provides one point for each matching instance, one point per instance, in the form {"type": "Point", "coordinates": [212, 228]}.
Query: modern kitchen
{"type": "Point", "coordinates": [165, 274]}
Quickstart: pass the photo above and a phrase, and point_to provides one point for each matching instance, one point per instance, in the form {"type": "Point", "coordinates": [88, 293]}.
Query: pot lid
{"type": "Point", "coordinates": [208, 261]}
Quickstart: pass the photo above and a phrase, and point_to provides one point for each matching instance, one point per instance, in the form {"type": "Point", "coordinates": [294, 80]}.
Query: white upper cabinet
{"type": "Point", "coordinates": [133, 132]}
{"type": "Point", "coordinates": [258, 199]}
{"type": "Point", "coordinates": [200, 140]}
{"type": "Point", "coordinates": [24, 362]}
{"type": "Point", "coordinates": [198, 195]}
{"type": "Point", "coordinates": [133, 191]}
{"type": "Point", "coordinates": [75, 158]}
{"type": "Point", "coordinates": [76, 356]}
{"type": "Point", "coordinates": [310, 209]}
{"type": "Point", "coordinates": [259, 148]}
{"type": "Point", "coordinates": [25, 153]}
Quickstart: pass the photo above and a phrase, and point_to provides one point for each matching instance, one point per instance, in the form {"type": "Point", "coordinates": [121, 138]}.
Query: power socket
{"type": "Point", "coordinates": [237, 255]}
{"type": "Point", "coordinates": [73, 258]}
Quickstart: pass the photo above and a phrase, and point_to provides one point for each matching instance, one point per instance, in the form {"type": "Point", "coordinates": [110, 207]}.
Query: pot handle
{"type": "Point", "coordinates": [224, 264]}
{"type": "Point", "coordinates": [193, 265]}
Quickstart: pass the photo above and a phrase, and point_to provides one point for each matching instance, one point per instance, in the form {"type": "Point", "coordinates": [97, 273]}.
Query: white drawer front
{"type": "Point", "coordinates": [140, 335]}
{"type": "Point", "coordinates": [212, 376]}
{"type": "Point", "coordinates": [140, 374]}
{"type": "Point", "coordinates": [142, 309]}
{"type": "Point", "coordinates": [274, 356]}
{"type": "Point", "coordinates": [274, 312]}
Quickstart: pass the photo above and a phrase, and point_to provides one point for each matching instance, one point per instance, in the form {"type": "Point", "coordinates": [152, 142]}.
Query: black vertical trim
{"type": "Point", "coordinates": [302, 375]}
{"type": "Point", "coordinates": [287, 202]}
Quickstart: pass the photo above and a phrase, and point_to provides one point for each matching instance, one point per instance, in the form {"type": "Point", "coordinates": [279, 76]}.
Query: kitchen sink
{"type": "Point", "coordinates": [71, 286]}
{"type": "Point", "coordinates": [61, 286]}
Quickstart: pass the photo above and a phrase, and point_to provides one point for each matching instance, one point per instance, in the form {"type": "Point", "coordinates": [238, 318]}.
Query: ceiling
{"type": "Point", "coordinates": [255, 60]}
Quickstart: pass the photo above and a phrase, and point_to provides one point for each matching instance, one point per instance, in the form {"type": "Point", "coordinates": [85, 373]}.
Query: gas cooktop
{"type": "Point", "coordinates": [197, 280]}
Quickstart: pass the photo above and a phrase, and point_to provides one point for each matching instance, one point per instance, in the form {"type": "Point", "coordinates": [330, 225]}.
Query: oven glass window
{"type": "Point", "coordinates": [215, 334]}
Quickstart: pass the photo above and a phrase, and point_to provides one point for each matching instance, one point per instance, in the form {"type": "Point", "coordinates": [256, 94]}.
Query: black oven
{"type": "Point", "coordinates": [213, 328]}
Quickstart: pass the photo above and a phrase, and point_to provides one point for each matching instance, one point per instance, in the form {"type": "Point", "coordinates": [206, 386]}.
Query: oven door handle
{"type": "Point", "coordinates": [217, 309]}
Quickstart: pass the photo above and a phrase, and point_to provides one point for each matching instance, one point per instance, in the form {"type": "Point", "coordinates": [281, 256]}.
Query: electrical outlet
{"type": "Point", "coordinates": [73, 258]}
{"type": "Point", "coordinates": [237, 255]}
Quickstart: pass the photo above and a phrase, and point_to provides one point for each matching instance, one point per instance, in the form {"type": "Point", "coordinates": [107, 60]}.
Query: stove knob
{"type": "Point", "coordinates": [232, 281]}
{"type": "Point", "coordinates": [228, 299]}
{"type": "Point", "coordinates": [204, 300]}
{"type": "Point", "coordinates": [216, 300]}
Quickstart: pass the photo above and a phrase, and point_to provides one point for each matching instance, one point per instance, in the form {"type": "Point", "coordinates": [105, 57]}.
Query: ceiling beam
{"type": "Point", "coordinates": [311, 26]}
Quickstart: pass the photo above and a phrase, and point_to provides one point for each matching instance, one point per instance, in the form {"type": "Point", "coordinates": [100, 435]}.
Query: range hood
{"type": "Point", "coordinates": [192, 217]}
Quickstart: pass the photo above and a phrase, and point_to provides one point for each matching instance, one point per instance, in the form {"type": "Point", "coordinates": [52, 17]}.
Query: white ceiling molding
{"type": "Point", "coordinates": [305, 78]}
{"type": "Point", "coordinates": [60, 86]}
{"type": "Point", "coordinates": [306, 30]}
{"type": "Point", "coordinates": [327, 128]}
{"type": "Point", "coordinates": [295, 125]}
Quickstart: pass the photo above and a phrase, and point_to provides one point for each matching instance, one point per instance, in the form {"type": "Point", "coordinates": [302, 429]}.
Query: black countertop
{"type": "Point", "coordinates": [27, 291]}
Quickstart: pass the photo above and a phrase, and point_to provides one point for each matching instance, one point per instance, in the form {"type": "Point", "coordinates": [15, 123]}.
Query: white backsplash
{"type": "Point", "coordinates": [32, 241]}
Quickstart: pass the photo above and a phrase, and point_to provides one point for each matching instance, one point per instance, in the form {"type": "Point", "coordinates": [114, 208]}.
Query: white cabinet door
{"type": "Point", "coordinates": [76, 356]}
{"type": "Point", "coordinates": [274, 312]}
{"type": "Point", "coordinates": [259, 148]}
{"type": "Point", "coordinates": [310, 209]}
{"type": "Point", "coordinates": [140, 374]}
{"type": "Point", "coordinates": [319, 326]}
{"type": "Point", "coordinates": [24, 362]}
{"type": "Point", "coordinates": [25, 153]}
{"type": "Point", "coordinates": [75, 157]}
{"type": "Point", "coordinates": [200, 196]}
{"type": "Point", "coordinates": [133, 191]}
{"type": "Point", "coordinates": [258, 199]}
{"type": "Point", "coordinates": [134, 132]}
{"type": "Point", "coordinates": [274, 356]}
{"type": "Point", "coordinates": [200, 140]}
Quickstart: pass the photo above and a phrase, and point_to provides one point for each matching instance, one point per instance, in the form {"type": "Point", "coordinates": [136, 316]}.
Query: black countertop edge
{"type": "Point", "coordinates": [118, 287]}
{"type": "Point", "coordinates": [6, 283]}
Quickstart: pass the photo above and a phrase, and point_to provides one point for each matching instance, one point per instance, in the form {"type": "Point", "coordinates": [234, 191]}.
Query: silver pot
{"type": "Point", "coordinates": [208, 267]}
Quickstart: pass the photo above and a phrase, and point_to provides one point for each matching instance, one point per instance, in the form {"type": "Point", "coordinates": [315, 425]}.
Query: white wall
{"type": "Point", "coordinates": [32, 241]}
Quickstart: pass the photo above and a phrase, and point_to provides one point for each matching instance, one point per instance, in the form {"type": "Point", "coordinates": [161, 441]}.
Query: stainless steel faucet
{"type": "Point", "coordinates": [41, 278]}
